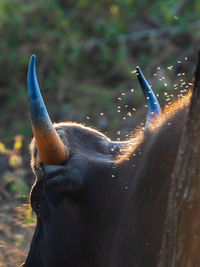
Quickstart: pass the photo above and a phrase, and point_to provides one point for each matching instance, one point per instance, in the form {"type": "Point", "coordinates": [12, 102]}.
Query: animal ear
{"type": "Point", "coordinates": [151, 100]}
{"type": "Point", "coordinates": [50, 148]}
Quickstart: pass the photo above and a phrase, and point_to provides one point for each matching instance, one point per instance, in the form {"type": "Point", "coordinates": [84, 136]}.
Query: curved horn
{"type": "Point", "coordinates": [50, 148]}
{"type": "Point", "coordinates": [151, 100]}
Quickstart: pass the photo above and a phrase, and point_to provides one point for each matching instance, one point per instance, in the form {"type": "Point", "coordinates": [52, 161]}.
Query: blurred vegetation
{"type": "Point", "coordinates": [86, 52]}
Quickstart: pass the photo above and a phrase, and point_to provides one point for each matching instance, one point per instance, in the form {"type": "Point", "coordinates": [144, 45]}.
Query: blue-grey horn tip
{"type": "Point", "coordinates": [39, 115]}
{"type": "Point", "coordinates": [140, 74]}
{"type": "Point", "coordinates": [151, 100]}
{"type": "Point", "coordinates": [33, 87]}
{"type": "Point", "coordinates": [32, 61]}
{"type": "Point", "coordinates": [31, 70]}
{"type": "Point", "coordinates": [33, 56]}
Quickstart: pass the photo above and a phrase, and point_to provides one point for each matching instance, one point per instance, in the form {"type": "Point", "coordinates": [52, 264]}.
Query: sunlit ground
{"type": "Point", "coordinates": [16, 229]}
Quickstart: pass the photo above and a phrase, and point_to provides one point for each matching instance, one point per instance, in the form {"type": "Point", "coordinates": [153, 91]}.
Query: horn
{"type": "Point", "coordinates": [50, 148]}
{"type": "Point", "coordinates": [151, 100]}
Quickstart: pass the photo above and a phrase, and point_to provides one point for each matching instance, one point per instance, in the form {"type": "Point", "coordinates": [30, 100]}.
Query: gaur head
{"type": "Point", "coordinates": [79, 189]}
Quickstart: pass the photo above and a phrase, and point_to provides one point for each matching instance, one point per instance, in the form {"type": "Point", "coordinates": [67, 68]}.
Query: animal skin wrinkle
{"type": "Point", "coordinates": [51, 171]}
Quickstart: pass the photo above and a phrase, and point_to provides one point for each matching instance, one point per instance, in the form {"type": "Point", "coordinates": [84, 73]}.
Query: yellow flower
{"type": "Point", "coordinates": [114, 9]}
{"type": "Point", "coordinates": [15, 161]}
{"type": "Point", "coordinates": [18, 144]}
{"type": "Point", "coordinates": [2, 148]}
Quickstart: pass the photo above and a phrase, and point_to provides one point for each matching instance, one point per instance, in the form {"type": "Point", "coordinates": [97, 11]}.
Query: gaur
{"type": "Point", "coordinates": [100, 203]}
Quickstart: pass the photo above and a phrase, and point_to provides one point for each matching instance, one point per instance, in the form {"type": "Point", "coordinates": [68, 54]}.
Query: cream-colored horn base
{"type": "Point", "coordinates": [50, 148]}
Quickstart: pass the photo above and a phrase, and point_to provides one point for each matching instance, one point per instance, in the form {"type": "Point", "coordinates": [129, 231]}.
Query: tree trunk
{"type": "Point", "coordinates": [181, 242]}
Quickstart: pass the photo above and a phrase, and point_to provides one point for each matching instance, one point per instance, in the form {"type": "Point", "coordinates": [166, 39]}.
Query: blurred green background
{"type": "Point", "coordinates": [86, 51]}
{"type": "Point", "coordinates": [85, 54]}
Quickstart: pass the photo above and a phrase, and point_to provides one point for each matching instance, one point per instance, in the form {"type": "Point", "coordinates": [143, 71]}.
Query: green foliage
{"type": "Point", "coordinates": [76, 42]}
{"type": "Point", "coordinates": [19, 188]}
{"type": "Point", "coordinates": [30, 217]}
